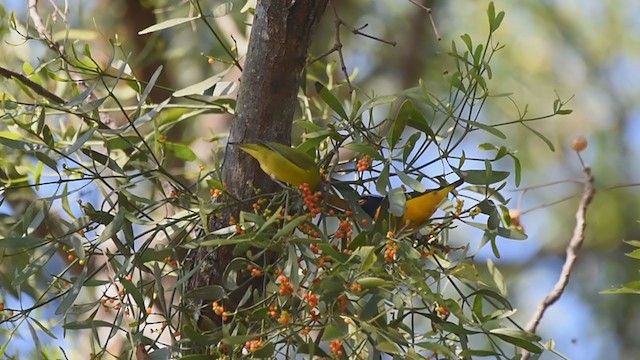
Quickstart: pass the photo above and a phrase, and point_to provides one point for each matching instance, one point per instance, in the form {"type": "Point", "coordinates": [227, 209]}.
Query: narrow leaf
{"type": "Point", "coordinates": [167, 24]}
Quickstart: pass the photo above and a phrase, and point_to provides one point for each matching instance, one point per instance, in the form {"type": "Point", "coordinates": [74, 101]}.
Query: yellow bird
{"type": "Point", "coordinates": [419, 207]}
{"type": "Point", "coordinates": [283, 163]}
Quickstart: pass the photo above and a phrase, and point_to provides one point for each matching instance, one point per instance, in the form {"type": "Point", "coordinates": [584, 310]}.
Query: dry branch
{"type": "Point", "coordinates": [572, 255]}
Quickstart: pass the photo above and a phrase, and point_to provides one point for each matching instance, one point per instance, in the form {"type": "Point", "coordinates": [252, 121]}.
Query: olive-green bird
{"type": "Point", "coordinates": [283, 163]}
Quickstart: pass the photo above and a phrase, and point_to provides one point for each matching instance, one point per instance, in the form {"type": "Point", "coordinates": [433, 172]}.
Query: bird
{"type": "Point", "coordinates": [284, 163]}
{"type": "Point", "coordinates": [419, 206]}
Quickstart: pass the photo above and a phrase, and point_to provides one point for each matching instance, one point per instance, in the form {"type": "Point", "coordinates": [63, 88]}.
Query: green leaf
{"type": "Point", "coordinates": [82, 139]}
{"type": "Point", "coordinates": [196, 336]}
{"type": "Point", "coordinates": [112, 227]}
{"type": "Point", "coordinates": [480, 177]}
{"type": "Point", "coordinates": [211, 292]}
{"type": "Point", "coordinates": [21, 242]}
{"type": "Point", "coordinates": [477, 59]}
{"type": "Point", "coordinates": [517, 170]}
{"type": "Point", "coordinates": [521, 334]}
{"type": "Point", "coordinates": [478, 353]}
{"type": "Point", "coordinates": [134, 291]}
{"type": "Point", "coordinates": [635, 243]}
{"type": "Point", "coordinates": [368, 257]}
{"type": "Point", "coordinates": [167, 24]}
{"type": "Point", "coordinates": [331, 100]}
{"type": "Point", "coordinates": [411, 182]}
{"type": "Point", "coordinates": [371, 282]}
{"type": "Point", "coordinates": [494, 21]}
{"type": "Point", "coordinates": [519, 338]}
{"type": "Point", "coordinates": [399, 123]}
{"type": "Point", "coordinates": [632, 287]}
{"type": "Point", "coordinates": [290, 226]}
{"type": "Point", "coordinates": [376, 101]}
{"type": "Point", "coordinates": [71, 295]}
{"type": "Point", "coordinates": [47, 137]}
{"type": "Point", "coordinates": [201, 87]}
{"type": "Point", "coordinates": [34, 336]}
{"type": "Point", "coordinates": [90, 324]}
{"type": "Point", "coordinates": [498, 279]}
{"type": "Point", "coordinates": [511, 234]}
{"type": "Point", "coordinates": [49, 162]}
{"type": "Point", "coordinates": [181, 151]}
{"type": "Point", "coordinates": [238, 339]}
{"type": "Point", "coordinates": [397, 202]}
{"type": "Point", "coordinates": [494, 245]}
{"type": "Point", "coordinates": [266, 351]}
{"type": "Point", "coordinates": [43, 328]}
{"type": "Point", "coordinates": [195, 357]}
{"type": "Point", "coordinates": [491, 11]}
{"type": "Point", "coordinates": [388, 347]}
{"type": "Point", "coordinates": [542, 137]}
{"type": "Point", "coordinates": [150, 84]}
{"type": "Point", "coordinates": [383, 180]}
{"type": "Point", "coordinates": [490, 129]}
{"type": "Point", "coordinates": [34, 266]}
{"type": "Point", "coordinates": [409, 146]}
{"type": "Point", "coordinates": [103, 159]}
{"type": "Point", "coordinates": [467, 41]}
{"type": "Point", "coordinates": [438, 349]}
{"type": "Point", "coordinates": [498, 21]}
{"type": "Point", "coordinates": [635, 254]}
{"type": "Point", "coordinates": [336, 330]}
{"type": "Point", "coordinates": [364, 149]}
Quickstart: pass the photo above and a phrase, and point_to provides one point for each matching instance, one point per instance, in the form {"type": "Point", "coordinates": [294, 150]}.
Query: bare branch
{"type": "Point", "coordinates": [433, 23]}
{"type": "Point", "coordinates": [337, 47]}
{"type": "Point", "coordinates": [572, 254]}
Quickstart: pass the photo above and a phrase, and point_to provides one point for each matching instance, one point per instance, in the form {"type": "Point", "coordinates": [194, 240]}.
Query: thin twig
{"type": "Point", "coordinates": [433, 22]}
{"type": "Point", "coordinates": [358, 32]}
{"type": "Point", "coordinates": [547, 204]}
{"type": "Point", "coordinates": [337, 47]}
{"type": "Point", "coordinates": [572, 252]}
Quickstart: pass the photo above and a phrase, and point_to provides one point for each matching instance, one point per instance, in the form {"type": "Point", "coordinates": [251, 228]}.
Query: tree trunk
{"type": "Point", "coordinates": [280, 37]}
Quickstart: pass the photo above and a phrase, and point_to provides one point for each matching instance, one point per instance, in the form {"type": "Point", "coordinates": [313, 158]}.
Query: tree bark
{"type": "Point", "coordinates": [277, 53]}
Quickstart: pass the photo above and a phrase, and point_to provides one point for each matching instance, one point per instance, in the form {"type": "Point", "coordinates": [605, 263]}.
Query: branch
{"type": "Point", "coordinates": [37, 88]}
{"type": "Point", "coordinates": [338, 43]}
{"type": "Point", "coordinates": [41, 29]}
{"type": "Point", "coordinates": [572, 254]}
{"type": "Point", "coordinates": [433, 23]}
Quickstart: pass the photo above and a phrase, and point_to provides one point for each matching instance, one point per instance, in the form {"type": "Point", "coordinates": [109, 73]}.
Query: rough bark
{"type": "Point", "coordinates": [280, 37]}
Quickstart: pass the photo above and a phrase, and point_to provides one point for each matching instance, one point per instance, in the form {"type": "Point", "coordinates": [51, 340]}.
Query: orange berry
{"type": "Point", "coordinates": [256, 272]}
{"type": "Point", "coordinates": [149, 310]}
{"type": "Point", "coordinates": [579, 143]}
